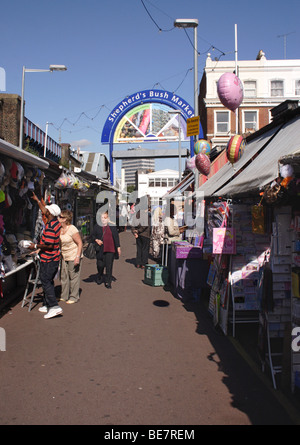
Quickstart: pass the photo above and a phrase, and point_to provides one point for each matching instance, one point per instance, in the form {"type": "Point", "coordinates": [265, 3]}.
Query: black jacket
{"type": "Point", "coordinates": [98, 234]}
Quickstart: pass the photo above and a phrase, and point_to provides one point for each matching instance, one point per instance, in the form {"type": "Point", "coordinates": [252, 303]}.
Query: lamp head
{"type": "Point", "coordinates": [57, 68]}
{"type": "Point", "coordinates": [186, 23]}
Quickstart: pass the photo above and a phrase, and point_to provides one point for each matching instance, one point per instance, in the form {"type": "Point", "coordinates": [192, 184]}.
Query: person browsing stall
{"type": "Point", "coordinates": [49, 252]}
{"type": "Point", "coordinates": [71, 251]}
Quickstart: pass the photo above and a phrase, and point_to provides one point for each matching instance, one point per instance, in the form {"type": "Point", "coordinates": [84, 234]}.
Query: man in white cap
{"type": "Point", "coordinates": [50, 256]}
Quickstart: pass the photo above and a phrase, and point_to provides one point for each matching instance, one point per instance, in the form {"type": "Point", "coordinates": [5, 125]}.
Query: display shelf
{"type": "Point", "coordinates": [295, 306]}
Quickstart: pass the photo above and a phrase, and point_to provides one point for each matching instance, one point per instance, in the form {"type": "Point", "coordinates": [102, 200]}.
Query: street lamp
{"type": "Point", "coordinates": [28, 70]}
{"type": "Point", "coordinates": [192, 23]}
{"type": "Point", "coordinates": [178, 113]}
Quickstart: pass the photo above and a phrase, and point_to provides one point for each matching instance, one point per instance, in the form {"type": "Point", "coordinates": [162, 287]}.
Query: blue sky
{"type": "Point", "coordinates": [114, 48]}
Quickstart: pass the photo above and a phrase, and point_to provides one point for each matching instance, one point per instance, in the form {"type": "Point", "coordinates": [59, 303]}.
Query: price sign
{"type": "Point", "coordinates": [192, 127]}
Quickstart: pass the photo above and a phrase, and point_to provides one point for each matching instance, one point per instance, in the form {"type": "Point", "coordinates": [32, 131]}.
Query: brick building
{"type": "Point", "coordinates": [10, 108]}
{"type": "Point", "coordinates": [266, 83]}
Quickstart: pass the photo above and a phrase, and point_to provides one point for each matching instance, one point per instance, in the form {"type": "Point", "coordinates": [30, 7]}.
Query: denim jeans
{"type": "Point", "coordinates": [47, 274]}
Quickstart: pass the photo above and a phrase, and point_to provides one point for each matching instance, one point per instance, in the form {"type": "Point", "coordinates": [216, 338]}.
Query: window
{"type": "Point", "coordinates": [250, 88]}
{"type": "Point", "coordinates": [250, 121]}
{"type": "Point", "coordinates": [276, 88]}
{"type": "Point", "coordinates": [151, 182]}
{"type": "Point", "coordinates": [297, 88]}
{"type": "Point", "coordinates": [222, 122]}
{"type": "Point", "coordinates": [164, 182]}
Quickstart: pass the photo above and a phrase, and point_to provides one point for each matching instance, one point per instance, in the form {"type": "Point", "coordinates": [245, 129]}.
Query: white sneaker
{"type": "Point", "coordinates": [53, 312]}
{"type": "Point", "coordinates": [43, 309]}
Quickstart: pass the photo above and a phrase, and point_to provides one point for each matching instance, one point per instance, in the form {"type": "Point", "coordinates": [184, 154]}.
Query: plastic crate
{"type": "Point", "coordinates": [156, 275]}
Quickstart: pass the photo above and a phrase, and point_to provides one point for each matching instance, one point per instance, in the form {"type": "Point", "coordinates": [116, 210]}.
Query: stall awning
{"type": "Point", "coordinates": [228, 171]}
{"type": "Point", "coordinates": [181, 187]}
{"type": "Point", "coordinates": [21, 155]}
{"type": "Point", "coordinates": [264, 168]}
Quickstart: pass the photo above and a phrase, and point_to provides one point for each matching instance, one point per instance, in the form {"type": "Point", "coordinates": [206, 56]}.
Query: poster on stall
{"type": "Point", "coordinates": [224, 240]}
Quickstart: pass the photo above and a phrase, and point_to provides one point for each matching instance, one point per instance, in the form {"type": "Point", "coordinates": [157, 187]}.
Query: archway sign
{"type": "Point", "coordinates": [144, 117]}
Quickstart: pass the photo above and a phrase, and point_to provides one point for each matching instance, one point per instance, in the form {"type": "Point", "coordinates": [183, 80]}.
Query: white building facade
{"type": "Point", "coordinates": [156, 184]}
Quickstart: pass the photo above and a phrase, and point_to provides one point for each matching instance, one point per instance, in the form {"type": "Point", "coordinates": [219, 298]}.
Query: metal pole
{"type": "Point", "coordinates": [22, 111]}
{"type": "Point", "coordinates": [51, 69]}
{"type": "Point", "coordinates": [196, 108]}
{"type": "Point", "coordinates": [179, 145]}
{"type": "Point", "coordinates": [237, 74]}
{"type": "Point", "coordinates": [195, 73]}
{"type": "Point", "coordinates": [45, 143]}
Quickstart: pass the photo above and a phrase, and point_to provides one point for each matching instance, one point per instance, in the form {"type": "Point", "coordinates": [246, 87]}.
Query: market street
{"type": "Point", "coordinates": [130, 355]}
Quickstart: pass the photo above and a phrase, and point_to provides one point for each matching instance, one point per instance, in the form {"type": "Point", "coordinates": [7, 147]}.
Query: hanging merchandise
{"type": "Point", "coordinates": [224, 240]}
{"type": "Point", "coordinates": [258, 219]}
{"type": "Point", "coordinates": [71, 179]}
{"type": "Point", "coordinates": [202, 146]}
{"type": "Point", "coordinates": [235, 148]}
{"type": "Point", "coordinates": [273, 193]}
{"type": "Point", "coordinates": [203, 164]}
{"type": "Point", "coordinates": [287, 173]}
{"type": "Point", "coordinates": [230, 91]}
{"type": "Point", "coordinates": [62, 181]}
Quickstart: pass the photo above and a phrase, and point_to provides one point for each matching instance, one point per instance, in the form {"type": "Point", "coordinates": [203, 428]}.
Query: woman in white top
{"type": "Point", "coordinates": [71, 252]}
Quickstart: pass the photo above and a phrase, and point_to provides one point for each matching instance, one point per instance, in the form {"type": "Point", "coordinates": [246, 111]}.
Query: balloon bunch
{"type": "Point", "coordinates": [231, 94]}
{"type": "Point", "coordinates": [200, 161]}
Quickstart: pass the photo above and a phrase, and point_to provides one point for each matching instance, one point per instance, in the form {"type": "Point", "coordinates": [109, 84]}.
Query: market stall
{"type": "Point", "coordinates": [258, 280]}
{"type": "Point", "coordinates": [20, 174]}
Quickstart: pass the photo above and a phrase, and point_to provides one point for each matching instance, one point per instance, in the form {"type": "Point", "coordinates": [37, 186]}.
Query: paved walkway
{"type": "Point", "coordinates": [132, 355]}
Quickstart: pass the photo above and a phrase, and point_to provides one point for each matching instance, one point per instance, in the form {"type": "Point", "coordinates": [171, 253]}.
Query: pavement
{"type": "Point", "coordinates": [130, 355]}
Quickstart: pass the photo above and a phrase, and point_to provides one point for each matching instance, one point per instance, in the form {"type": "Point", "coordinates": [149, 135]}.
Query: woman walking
{"type": "Point", "coordinates": [107, 243]}
{"type": "Point", "coordinates": [71, 251]}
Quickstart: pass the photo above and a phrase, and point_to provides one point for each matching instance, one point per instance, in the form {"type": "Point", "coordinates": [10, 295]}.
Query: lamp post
{"type": "Point", "coordinates": [192, 23]}
{"type": "Point", "coordinates": [29, 70]}
{"type": "Point", "coordinates": [178, 113]}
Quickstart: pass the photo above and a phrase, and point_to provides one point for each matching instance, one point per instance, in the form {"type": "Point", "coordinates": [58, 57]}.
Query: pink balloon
{"type": "Point", "coordinates": [203, 163]}
{"type": "Point", "coordinates": [190, 163]}
{"type": "Point", "coordinates": [230, 91]}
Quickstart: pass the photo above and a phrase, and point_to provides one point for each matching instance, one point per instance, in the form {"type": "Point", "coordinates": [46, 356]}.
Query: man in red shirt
{"type": "Point", "coordinates": [49, 256]}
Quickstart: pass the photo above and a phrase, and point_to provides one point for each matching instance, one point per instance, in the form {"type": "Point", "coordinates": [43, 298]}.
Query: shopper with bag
{"type": "Point", "coordinates": [107, 243]}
